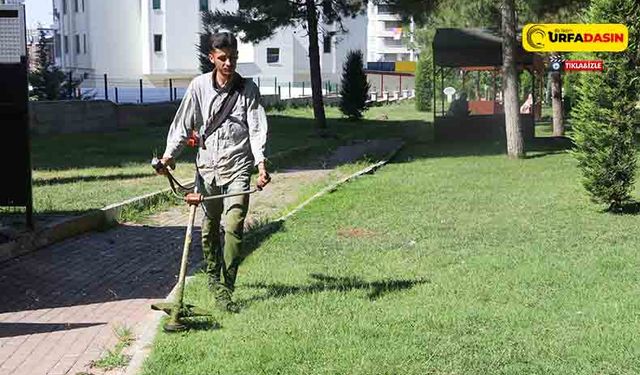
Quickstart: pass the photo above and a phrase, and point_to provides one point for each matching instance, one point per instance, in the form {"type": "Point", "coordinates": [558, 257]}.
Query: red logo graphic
{"type": "Point", "coordinates": [583, 65]}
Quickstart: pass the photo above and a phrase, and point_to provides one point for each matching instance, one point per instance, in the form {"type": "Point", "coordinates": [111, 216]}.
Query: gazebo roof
{"type": "Point", "coordinates": [476, 48]}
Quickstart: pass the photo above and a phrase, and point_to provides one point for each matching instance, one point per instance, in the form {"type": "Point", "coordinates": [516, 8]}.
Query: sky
{"type": "Point", "coordinates": [39, 11]}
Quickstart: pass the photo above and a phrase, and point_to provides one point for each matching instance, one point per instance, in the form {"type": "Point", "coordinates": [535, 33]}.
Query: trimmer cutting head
{"type": "Point", "coordinates": [174, 327]}
{"type": "Point", "coordinates": [177, 323]}
{"type": "Point", "coordinates": [187, 311]}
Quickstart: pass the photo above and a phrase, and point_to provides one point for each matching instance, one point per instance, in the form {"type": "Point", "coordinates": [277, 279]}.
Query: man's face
{"type": "Point", "coordinates": [224, 60]}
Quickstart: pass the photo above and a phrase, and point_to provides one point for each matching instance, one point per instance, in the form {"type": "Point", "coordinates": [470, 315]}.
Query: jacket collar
{"type": "Point", "coordinates": [228, 85]}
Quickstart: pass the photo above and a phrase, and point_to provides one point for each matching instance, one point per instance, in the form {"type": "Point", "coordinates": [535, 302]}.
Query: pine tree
{"type": "Point", "coordinates": [354, 86]}
{"type": "Point", "coordinates": [204, 47]}
{"type": "Point", "coordinates": [48, 81]}
{"type": "Point", "coordinates": [606, 116]}
{"type": "Point", "coordinates": [424, 84]}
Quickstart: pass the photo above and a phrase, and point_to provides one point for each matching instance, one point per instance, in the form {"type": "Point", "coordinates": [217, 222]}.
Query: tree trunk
{"type": "Point", "coordinates": [515, 142]}
{"type": "Point", "coordinates": [314, 65]}
{"type": "Point", "coordinates": [556, 104]}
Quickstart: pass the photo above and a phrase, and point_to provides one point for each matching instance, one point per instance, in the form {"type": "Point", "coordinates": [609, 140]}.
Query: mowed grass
{"type": "Point", "coordinates": [451, 260]}
{"type": "Point", "coordinates": [79, 172]}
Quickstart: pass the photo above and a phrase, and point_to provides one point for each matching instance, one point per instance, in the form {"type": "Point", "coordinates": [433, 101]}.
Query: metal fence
{"type": "Point", "coordinates": [127, 90]}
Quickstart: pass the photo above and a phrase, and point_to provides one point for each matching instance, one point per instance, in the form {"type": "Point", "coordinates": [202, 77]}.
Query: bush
{"type": "Point", "coordinates": [606, 116]}
{"type": "Point", "coordinates": [424, 84]}
{"type": "Point", "coordinates": [354, 86]}
{"type": "Point", "coordinates": [569, 85]}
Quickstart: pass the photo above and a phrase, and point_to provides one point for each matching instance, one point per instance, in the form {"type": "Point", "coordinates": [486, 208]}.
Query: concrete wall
{"type": "Point", "coordinates": [155, 114]}
{"type": "Point", "coordinates": [64, 117]}
{"type": "Point", "coordinates": [72, 117]}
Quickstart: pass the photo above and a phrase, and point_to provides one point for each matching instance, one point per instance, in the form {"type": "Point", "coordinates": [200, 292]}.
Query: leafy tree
{"type": "Point", "coordinates": [259, 20]}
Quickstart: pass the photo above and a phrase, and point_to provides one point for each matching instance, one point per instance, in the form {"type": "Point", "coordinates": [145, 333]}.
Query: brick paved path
{"type": "Point", "coordinates": [59, 305]}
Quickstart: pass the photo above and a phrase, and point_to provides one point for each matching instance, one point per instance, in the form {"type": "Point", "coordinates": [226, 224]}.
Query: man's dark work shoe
{"type": "Point", "coordinates": [224, 302]}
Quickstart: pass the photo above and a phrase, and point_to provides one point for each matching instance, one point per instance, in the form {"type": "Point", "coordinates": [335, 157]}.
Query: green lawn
{"type": "Point", "coordinates": [451, 260]}
{"type": "Point", "coordinates": [79, 172]}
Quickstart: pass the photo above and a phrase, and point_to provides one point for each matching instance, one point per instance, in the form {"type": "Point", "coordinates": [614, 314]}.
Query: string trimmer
{"type": "Point", "coordinates": [178, 310]}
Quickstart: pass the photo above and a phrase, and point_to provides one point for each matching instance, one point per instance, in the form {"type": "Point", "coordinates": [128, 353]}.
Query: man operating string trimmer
{"type": "Point", "coordinates": [230, 128]}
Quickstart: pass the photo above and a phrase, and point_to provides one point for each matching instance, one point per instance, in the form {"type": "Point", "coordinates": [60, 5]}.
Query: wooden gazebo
{"type": "Point", "coordinates": [476, 50]}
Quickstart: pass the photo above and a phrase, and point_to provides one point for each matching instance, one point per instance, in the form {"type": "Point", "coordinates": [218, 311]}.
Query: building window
{"type": "Point", "coordinates": [66, 44]}
{"type": "Point", "coordinates": [57, 45]}
{"type": "Point", "coordinates": [385, 9]}
{"type": "Point", "coordinates": [156, 4]}
{"type": "Point", "coordinates": [64, 6]}
{"type": "Point", "coordinates": [273, 55]}
{"type": "Point", "coordinates": [328, 13]}
{"type": "Point", "coordinates": [157, 43]}
{"type": "Point", "coordinates": [204, 5]}
{"type": "Point", "coordinates": [392, 25]}
{"type": "Point", "coordinates": [82, 6]}
{"type": "Point", "coordinates": [77, 44]}
{"type": "Point", "coordinates": [326, 44]}
{"type": "Point", "coordinates": [84, 43]}
{"type": "Point", "coordinates": [393, 42]}
{"type": "Point", "coordinates": [76, 8]}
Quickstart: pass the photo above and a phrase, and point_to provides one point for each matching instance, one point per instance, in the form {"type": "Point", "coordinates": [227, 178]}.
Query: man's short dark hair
{"type": "Point", "coordinates": [223, 40]}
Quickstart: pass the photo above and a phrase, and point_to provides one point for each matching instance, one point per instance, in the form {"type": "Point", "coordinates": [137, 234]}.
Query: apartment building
{"type": "Point", "coordinates": [156, 39]}
{"type": "Point", "coordinates": [386, 36]}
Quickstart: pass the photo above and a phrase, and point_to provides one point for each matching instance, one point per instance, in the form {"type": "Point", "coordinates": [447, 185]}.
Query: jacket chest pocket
{"type": "Point", "coordinates": [236, 123]}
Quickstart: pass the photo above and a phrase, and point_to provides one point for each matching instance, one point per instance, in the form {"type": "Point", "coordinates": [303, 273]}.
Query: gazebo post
{"type": "Point", "coordinates": [533, 95]}
{"type": "Point", "coordinates": [495, 89]}
{"type": "Point", "coordinates": [533, 101]}
{"type": "Point", "coordinates": [464, 79]}
{"type": "Point", "coordinates": [442, 88]}
{"type": "Point", "coordinates": [434, 89]}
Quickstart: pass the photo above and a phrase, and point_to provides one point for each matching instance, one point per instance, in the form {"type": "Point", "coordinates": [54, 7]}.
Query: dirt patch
{"type": "Point", "coordinates": [286, 189]}
{"type": "Point", "coordinates": [355, 233]}
{"type": "Point", "coordinates": [373, 150]}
